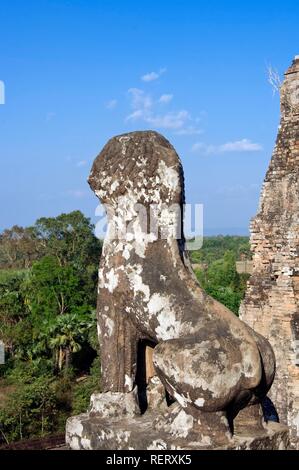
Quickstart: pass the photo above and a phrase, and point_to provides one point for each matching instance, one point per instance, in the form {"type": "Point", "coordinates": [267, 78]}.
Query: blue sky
{"type": "Point", "coordinates": [78, 72]}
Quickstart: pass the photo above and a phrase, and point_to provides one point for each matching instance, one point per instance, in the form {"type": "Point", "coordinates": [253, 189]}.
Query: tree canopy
{"type": "Point", "coordinates": [48, 279]}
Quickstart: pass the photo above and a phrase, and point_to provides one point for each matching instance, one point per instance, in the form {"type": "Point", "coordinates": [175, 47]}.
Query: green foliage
{"type": "Point", "coordinates": [69, 238]}
{"type": "Point", "coordinates": [12, 304]}
{"type": "Point", "coordinates": [93, 339]}
{"type": "Point", "coordinates": [53, 289]}
{"type": "Point", "coordinates": [214, 248]}
{"type": "Point", "coordinates": [26, 372]}
{"type": "Point", "coordinates": [84, 389]}
{"type": "Point", "coordinates": [221, 280]}
{"type": "Point", "coordinates": [19, 247]}
{"type": "Point", "coordinates": [58, 301]}
{"type": "Point", "coordinates": [30, 410]}
{"type": "Point", "coordinates": [47, 317]}
{"type": "Point", "coordinates": [47, 322]}
{"type": "Point", "coordinates": [15, 329]}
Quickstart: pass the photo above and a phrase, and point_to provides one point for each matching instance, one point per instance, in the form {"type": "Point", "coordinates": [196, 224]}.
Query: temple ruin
{"type": "Point", "coordinates": [271, 305]}
{"type": "Point", "coordinates": [179, 370]}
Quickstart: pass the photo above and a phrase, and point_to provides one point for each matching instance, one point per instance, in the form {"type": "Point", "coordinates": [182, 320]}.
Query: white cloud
{"type": "Point", "coordinates": [111, 104]}
{"type": "Point", "coordinates": [81, 163]}
{"type": "Point", "coordinates": [173, 120]}
{"type": "Point", "coordinates": [139, 114]}
{"type": "Point", "coordinates": [143, 109]}
{"type": "Point", "coordinates": [165, 98]}
{"type": "Point", "coordinates": [200, 147]}
{"type": "Point", "coordinates": [244, 145]}
{"type": "Point", "coordinates": [140, 99]}
{"type": "Point", "coordinates": [151, 76]}
{"type": "Point", "coordinates": [190, 130]}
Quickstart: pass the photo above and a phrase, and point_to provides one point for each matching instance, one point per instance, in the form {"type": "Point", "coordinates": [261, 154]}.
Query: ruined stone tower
{"type": "Point", "coordinates": [271, 305]}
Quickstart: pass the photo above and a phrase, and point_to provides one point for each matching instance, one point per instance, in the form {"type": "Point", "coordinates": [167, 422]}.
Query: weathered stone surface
{"type": "Point", "coordinates": [205, 359]}
{"type": "Point", "coordinates": [114, 404]}
{"type": "Point", "coordinates": [92, 433]}
{"type": "Point", "coordinates": [271, 302]}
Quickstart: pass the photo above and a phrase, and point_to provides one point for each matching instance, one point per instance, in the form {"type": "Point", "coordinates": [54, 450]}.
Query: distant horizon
{"type": "Point", "coordinates": [233, 232]}
{"type": "Point", "coordinates": [207, 231]}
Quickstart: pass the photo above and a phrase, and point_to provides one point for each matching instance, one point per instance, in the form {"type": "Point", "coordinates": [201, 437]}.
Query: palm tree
{"type": "Point", "coordinates": [67, 334]}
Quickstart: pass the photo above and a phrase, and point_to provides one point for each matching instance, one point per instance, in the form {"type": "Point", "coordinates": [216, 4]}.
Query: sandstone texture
{"type": "Point", "coordinates": [92, 432]}
{"type": "Point", "coordinates": [272, 298]}
{"type": "Point", "coordinates": [208, 371]}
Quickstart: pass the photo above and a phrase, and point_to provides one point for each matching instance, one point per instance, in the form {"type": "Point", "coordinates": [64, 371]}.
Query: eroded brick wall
{"type": "Point", "coordinates": [271, 304]}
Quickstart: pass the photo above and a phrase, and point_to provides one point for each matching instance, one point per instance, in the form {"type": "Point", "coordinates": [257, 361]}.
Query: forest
{"type": "Point", "coordinates": [48, 280]}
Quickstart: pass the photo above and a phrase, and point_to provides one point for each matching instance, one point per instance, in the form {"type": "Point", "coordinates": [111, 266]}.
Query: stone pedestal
{"type": "Point", "coordinates": [115, 423]}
